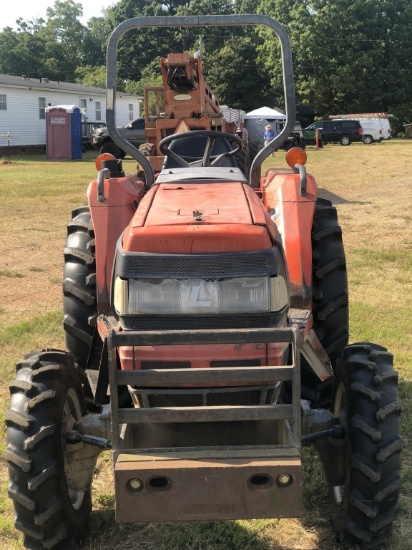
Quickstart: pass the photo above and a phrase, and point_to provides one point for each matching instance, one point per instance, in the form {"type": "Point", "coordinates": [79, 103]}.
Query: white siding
{"type": "Point", "coordinates": [22, 118]}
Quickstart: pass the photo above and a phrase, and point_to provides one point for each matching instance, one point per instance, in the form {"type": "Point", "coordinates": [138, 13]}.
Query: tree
{"type": "Point", "coordinates": [235, 75]}
{"type": "Point", "coordinates": [92, 76]}
{"type": "Point", "coordinates": [348, 54]}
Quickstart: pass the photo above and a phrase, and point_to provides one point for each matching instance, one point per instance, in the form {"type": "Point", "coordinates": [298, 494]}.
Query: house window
{"type": "Point", "coordinates": [3, 102]}
{"type": "Point", "coordinates": [98, 110]}
{"type": "Point", "coordinates": [83, 108]}
{"type": "Point", "coordinates": [42, 107]}
{"type": "Point", "coordinates": [130, 111]}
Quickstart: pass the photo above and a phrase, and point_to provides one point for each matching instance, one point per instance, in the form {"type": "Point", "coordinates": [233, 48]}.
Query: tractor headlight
{"type": "Point", "coordinates": [191, 296]}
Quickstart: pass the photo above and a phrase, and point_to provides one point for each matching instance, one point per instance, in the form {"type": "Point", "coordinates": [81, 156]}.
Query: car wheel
{"type": "Point", "coordinates": [367, 140]}
{"type": "Point", "coordinates": [345, 140]}
{"type": "Point", "coordinates": [112, 148]}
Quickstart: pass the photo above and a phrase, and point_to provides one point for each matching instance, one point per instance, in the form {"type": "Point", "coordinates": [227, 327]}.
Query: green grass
{"type": "Point", "coordinates": [360, 180]}
{"type": "Point", "coordinates": [10, 273]}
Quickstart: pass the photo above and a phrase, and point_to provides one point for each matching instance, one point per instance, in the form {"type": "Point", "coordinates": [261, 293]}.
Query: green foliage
{"type": "Point", "coordinates": [240, 79]}
{"type": "Point", "coordinates": [349, 55]}
{"type": "Point", "coordinates": [91, 76]}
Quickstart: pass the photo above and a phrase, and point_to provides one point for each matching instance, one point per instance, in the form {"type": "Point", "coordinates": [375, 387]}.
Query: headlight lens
{"type": "Point", "coordinates": [191, 296]}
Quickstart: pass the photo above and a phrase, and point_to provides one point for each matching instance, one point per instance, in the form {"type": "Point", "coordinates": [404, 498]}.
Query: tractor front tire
{"type": "Point", "coordinates": [366, 401]}
{"type": "Point", "coordinates": [46, 400]}
{"type": "Point", "coordinates": [79, 286]}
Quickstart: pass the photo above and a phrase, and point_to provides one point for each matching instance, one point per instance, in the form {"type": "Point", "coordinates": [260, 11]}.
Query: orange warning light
{"type": "Point", "coordinates": [296, 155]}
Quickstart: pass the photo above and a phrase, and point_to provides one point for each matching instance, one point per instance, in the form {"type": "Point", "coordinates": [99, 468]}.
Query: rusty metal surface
{"type": "Point", "coordinates": [317, 357]}
{"type": "Point", "coordinates": [223, 413]}
{"type": "Point", "coordinates": [210, 336]}
{"type": "Point", "coordinates": [206, 489]}
{"type": "Point", "coordinates": [230, 375]}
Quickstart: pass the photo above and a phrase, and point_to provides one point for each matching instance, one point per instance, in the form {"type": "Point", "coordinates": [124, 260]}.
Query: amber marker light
{"type": "Point", "coordinates": [101, 158]}
{"type": "Point", "coordinates": [296, 155]}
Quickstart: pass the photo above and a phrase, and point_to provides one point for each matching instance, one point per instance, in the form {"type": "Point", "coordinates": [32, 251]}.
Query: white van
{"type": "Point", "coordinates": [375, 129]}
{"type": "Point", "coordinates": [386, 128]}
{"type": "Point", "coordinates": [372, 129]}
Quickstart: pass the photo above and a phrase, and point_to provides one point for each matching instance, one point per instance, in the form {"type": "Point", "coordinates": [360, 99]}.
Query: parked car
{"type": "Point", "coordinates": [376, 126]}
{"type": "Point", "coordinates": [134, 132]}
{"type": "Point", "coordinates": [338, 131]}
{"type": "Point", "coordinates": [372, 130]}
{"type": "Point", "coordinates": [296, 138]}
{"type": "Point", "coordinates": [386, 128]}
{"type": "Point", "coordinates": [375, 129]}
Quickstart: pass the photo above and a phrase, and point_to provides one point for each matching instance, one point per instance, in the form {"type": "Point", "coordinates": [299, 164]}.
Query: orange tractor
{"type": "Point", "coordinates": [206, 322]}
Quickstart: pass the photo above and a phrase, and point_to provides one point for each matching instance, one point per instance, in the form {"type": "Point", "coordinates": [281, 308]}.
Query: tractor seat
{"type": "Point", "coordinates": [193, 148]}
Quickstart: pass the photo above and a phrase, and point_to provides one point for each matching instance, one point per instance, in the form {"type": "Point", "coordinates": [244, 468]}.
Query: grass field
{"type": "Point", "coordinates": [371, 187]}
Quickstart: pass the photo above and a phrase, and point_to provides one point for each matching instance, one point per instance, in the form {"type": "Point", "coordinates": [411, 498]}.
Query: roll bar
{"type": "Point", "coordinates": [200, 21]}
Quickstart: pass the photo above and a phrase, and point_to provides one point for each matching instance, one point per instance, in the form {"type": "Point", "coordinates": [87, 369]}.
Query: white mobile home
{"type": "Point", "coordinates": [23, 103]}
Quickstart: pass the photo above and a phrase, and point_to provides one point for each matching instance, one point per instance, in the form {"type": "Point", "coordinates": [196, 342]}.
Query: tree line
{"type": "Point", "coordinates": [349, 55]}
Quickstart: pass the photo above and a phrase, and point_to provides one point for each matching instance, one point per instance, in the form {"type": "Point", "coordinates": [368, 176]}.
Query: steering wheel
{"type": "Point", "coordinates": [207, 159]}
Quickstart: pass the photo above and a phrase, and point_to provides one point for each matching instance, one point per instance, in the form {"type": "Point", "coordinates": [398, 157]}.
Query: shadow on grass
{"type": "Point", "coordinates": [336, 199]}
{"type": "Point", "coordinates": [206, 535]}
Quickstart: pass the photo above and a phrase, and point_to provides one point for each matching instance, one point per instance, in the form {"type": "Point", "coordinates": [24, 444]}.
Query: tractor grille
{"type": "Point", "coordinates": [196, 267]}
{"type": "Point", "coordinates": [134, 265]}
{"type": "Point", "coordinates": [193, 322]}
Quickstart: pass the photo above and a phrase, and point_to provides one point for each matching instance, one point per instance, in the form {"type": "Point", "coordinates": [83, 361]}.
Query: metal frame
{"type": "Point", "coordinates": [200, 21]}
{"type": "Point", "coordinates": [163, 378]}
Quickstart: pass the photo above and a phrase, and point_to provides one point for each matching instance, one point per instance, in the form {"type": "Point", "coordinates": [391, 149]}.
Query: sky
{"type": "Point", "coordinates": [29, 9]}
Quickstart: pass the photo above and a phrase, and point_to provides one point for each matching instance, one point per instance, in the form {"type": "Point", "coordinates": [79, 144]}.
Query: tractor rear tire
{"type": "Point", "coordinates": [79, 286]}
{"type": "Point", "coordinates": [366, 400]}
{"type": "Point", "coordinates": [330, 298]}
{"type": "Point", "coordinates": [243, 160]}
{"type": "Point", "coordinates": [46, 400]}
{"type": "Point", "coordinates": [253, 150]}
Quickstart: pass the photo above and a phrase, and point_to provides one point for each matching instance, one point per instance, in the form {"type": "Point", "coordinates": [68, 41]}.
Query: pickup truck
{"type": "Point", "coordinates": [134, 132]}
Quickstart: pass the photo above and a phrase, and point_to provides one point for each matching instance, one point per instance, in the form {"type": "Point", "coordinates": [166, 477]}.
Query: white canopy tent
{"type": "Point", "coordinates": [267, 113]}
{"type": "Point", "coordinates": [255, 122]}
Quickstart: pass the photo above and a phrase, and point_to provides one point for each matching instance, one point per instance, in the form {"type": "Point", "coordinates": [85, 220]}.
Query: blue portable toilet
{"type": "Point", "coordinates": [63, 132]}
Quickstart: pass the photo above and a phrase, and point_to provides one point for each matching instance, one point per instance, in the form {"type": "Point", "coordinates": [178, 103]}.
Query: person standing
{"type": "Point", "coordinates": [269, 135]}
{"type": "Point", "coordinates": [244, 134]}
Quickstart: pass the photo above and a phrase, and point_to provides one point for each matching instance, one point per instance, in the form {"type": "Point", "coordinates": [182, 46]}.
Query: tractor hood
{"type": "Point", "coordinates": [199, 218]}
